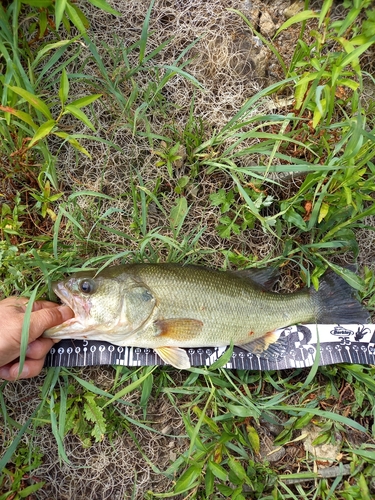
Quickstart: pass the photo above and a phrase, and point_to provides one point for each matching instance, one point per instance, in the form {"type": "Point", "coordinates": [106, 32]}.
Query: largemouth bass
{"type": "Point", "coordinates": [168, 307]}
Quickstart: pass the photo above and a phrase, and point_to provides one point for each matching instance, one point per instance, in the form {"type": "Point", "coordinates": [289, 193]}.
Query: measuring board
{"type": "Point", "coordinates": [337, 344]}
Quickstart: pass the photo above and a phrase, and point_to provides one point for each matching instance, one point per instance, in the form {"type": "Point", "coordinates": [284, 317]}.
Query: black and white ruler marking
{"type": "Point", "coordinates": [337, 344]}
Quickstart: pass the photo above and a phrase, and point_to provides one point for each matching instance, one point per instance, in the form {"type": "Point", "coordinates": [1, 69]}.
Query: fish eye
{"type": "Point", "coordinates": [146, 296]}
{"type": "Point", "coordinates": [87, 286]}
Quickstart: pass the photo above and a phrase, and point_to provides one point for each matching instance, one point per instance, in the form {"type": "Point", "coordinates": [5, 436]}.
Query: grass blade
{"type": "Point", "coordinates": [144, 34]}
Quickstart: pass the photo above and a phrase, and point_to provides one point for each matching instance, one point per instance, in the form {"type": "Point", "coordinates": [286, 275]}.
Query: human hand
{"type": "Point", "coordinates": [44, 315]}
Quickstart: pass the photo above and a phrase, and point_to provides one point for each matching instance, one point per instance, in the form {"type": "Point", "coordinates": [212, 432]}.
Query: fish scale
{"type": "Point", "coordinates": [224, 302]}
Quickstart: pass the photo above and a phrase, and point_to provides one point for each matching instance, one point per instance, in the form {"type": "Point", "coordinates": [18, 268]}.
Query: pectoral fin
{"type": "Point", "coordinates": [179, 329]}
{"type": "Point", "coordinates": [270, 345]}
{"type": "Point", "coordinates": [174, 356]}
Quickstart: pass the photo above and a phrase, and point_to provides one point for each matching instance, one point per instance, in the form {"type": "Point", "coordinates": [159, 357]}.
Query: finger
{"type": "Point", "coordinates": [44, 304]}
{"type": "Point", "coordinates": [36, 351]}
{"type": "Point", "coordinates": [47, 318]}
{"type": "Point", "coordinates": [31, 368]}
{"type": "Point", "coordinates": [39, 348]}
{"type": "Point", "coordinates": [5, 371]}
{"type": "Point", "coordinates": [19, 303]}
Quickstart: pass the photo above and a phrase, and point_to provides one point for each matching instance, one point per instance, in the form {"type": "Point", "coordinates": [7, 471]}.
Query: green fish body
{"type": "Point", "coordinates": [168, 307]}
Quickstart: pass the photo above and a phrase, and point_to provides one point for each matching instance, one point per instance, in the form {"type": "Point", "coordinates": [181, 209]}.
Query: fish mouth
{"type": "Point", "coordinates": [72, 325]}
{"type": "Point", "coordinates": [62, 293]}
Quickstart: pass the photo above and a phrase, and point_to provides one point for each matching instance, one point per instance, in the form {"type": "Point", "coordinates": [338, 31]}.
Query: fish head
{"type": "Point", "coordinates": [105, 308]}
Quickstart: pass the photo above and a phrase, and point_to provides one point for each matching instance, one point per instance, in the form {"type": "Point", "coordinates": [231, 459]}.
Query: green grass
{"type": "Point", "coordinates": [194, 193]}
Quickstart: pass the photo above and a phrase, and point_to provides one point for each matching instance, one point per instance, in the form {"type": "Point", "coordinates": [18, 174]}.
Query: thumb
{"type": "Point", "coordinates": [43, 319]}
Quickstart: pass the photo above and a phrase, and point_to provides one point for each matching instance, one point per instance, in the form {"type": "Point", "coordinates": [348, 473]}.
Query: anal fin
{"type": "Point", "coordinates": [268, 346]}
{"type": "Point", "coordinates": [174, 356]}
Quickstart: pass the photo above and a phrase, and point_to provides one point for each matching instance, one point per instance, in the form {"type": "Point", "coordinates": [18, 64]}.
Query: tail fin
{"type": "Point", "coordinates": [337, 303]}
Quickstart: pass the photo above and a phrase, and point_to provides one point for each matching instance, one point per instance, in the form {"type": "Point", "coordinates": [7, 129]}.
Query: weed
{"type": "Point", "coordinates": [18, 481]}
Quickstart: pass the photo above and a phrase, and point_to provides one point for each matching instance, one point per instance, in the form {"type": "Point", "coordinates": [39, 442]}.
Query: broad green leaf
{"type": "Point", "coordinates": [300, 91]}
{"type": "Point", "coordinates": [59, 12]}
{"type": "Point", "coordinates": [42, 23]}
{"type": "Point", "coordinates": [33, 100]}
{"type": "Point", "coordinates": [88, 385]}
{"type": "Point", "coordinates": [21, 115]}
{"type": "Point", "coordinates": [13, 444]}
{"type": "Point", "coordinates": [223, 360]}
{"type": "Point", "coordinates": [59, 436]}
{"type": "Point", "coordinates": [103, 5]}
{"type": "Point", "coordinates": [295, 218]}
{"type": "Point", "coordinates": [253, 436]}
{"type": "Point", "coordinates": [80, 115]}
{"type": "Point", "coordinates": [326, 7]}
{"type": "Point", "coordinates": [146, 390]}
{"type": "Point", "coordinates": [29, 490]}
{"type": "Point", "coordinates": [361, 39]}
{"type": "Point", "coordinates": [319, 111]}
{"type": "Point", "coordinates": [237, 468]}
{"type": "Point", "coordinates": [207, 420]}
{"type": "Point", "coordinates": [348, 195]}
{"type": "Point", "coordinates": [85, 101]}
{"type": "Point", "coordinates": [298, 18]}
{"type": "Point", "coordinates": [350, 17]}
{"type": "Point", "coordinates": [318, 92]}
{"type": "Point", "coordinates": [368, 454]}
{"type": "Point", "coordinates": [322, 438]}
{"type": "Point", "coordinates": [38, 3]}
{"type": "Point", "coordinates": [348, 83]}
{"type": "Point", "coordinates": [193, 431]}
{"type": "Point", "coordinates": [66, 23]}
{"type": "Point", "coordinates": [94, 414]}
{"type": "Point", "coordinates": [77, 17]}
{"type": "Point", "coordinates": [364, 378]}
{"type": "Point", "coordinates": [188, 478]}
{"type": "Point", "coordinates": [240, 411]}
{"type": "Point", "coordinates": [76, 145]}
{"type": "Point", "coordinates": [318, 75]}
{"type": "Point", "coordinates": [298, 476]}
{"type": "Point", "coordinates": [324, 209]}
{"type": "Point", "coordinates": [64, 87]}
{"type": "Point", "coordinates": [145, 32]}
{"type": "Point", "coordinates": [218, 470]}
{"type": "Point", "coordinates": [56, 45]}
{"type": "Point", "coordinates": [42, 132]}
{"type": "Point", "coordinates": [175, 70]}
{"type": "Point", "coordinates": [209, 480]}
{"type": "Point", "coordinates": [179, 212]}
{"type": "Point", "coordinates": [349, 276]}
{"type": "Point", "coordinates": [347, 44]}
{"type": "Point", "coordinates": [352, 57]}
{"type": "Point", "coordinates": [131, 387]}
{"type": "Point", "coordinates": [302, 422]}
{"type": "Point", "coordinates": [237, 494]}
{"type": "Point", "coordinates": [225, 490]}
{"type": "Point", "coordinates": [363, 484]}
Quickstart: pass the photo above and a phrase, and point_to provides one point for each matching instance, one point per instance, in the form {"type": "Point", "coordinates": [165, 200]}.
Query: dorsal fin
{"type": "Point", "coordinates": [265, 277]}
